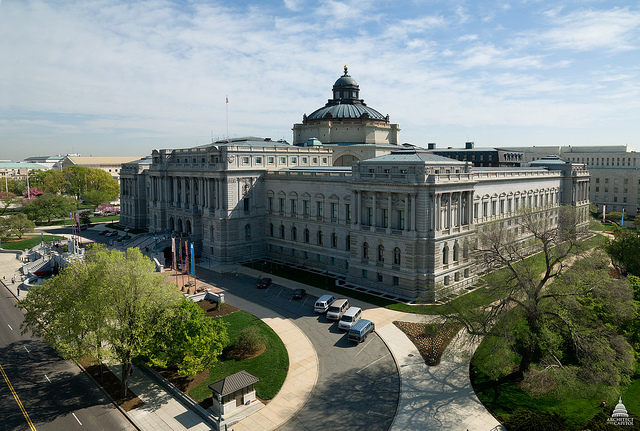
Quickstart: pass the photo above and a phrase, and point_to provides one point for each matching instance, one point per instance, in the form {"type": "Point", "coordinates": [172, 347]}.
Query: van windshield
{"type": "Point", "coordinates": [334, 308]}
{"type": "Point", "coordinates": [346, 318]}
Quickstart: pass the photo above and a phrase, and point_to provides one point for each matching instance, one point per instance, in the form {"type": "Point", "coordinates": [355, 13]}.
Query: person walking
{"type": "Point", "coordinates": [18, 290]}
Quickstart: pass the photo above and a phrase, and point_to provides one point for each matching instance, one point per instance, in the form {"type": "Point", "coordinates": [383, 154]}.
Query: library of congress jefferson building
{"type": "Point", "coordinates": [345, 199]}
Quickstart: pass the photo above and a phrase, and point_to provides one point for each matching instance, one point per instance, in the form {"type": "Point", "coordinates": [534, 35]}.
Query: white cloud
{"type": "Point", "coordinates": [617, 29]}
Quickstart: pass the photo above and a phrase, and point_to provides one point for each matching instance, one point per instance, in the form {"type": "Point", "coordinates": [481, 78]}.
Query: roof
{"type": "Point", "coordinates": [20, 165]}
{"type": "Point", "coordinates": [413, 156]}
{"type": "Point", "coordinates": [346, 111]}
{"type": "Point", "coordinates": [232, 383]}
{"type": "Point", "coordinates": [88, 161]}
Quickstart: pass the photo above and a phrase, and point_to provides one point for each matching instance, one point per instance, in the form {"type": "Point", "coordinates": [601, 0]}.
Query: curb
{"type": "Point", "coordinates": [395, 361]}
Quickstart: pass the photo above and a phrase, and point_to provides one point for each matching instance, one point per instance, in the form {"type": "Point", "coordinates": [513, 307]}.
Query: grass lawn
{"type": "Point", "coordinates": [27, 242]}
{"type": "Point", "coordinates": [270, 367]}
{"type": "Point", "coordinates": [503, 397]}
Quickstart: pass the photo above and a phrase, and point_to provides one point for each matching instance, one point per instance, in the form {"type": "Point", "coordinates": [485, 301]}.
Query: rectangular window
{"type": "Point", "coordinates": [347, 208]}
{"type": "Point", "coordinates": [396, 281]}
{"type": "Point", "coordinates": [385, 218]}
{"type": "Point", "coordinates": [283, 160]}
{"type": "Point", "coordinates": [324, 160]}
{"type": "Point", "coordinates": [294, 160]}
{"type": "Point", "coordinates": [281, 204]}
{"type": "Point", "coordinates": [258, 160]}
{"type": "Point", "coordinates": [379, 277]}
{"type": "Point", "coordinates": [294, 209]}
{"type": "Point", "coordinates": [370, 216]}
{"type": "Point", "coordinates": [334, 210]}
{"type": "Point", "coordinates": [401, 219]}
{"type": "Point", "coordinates": [364, 274]}
{"type": "Point", "coordinates": [270, 204]}
{"type": "Point", "coordinates": [319, 210]}
{"type": "Point", "coordinates": [315, 160]}
{"type": "Point", "coordinates": [304, 160]}
{"type": "Point", "coordinates": [245, 160]}
{"type": "Point", "coordinates": [246, 204]}
{"type": "Point", "coordinates": [270, 160]}
{"type": "Point", "coordinates": [305, 208]}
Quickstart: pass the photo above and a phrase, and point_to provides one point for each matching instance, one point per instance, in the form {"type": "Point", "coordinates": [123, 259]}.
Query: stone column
{"type": "Point", "coordinates": [389, 211]}
{"type": "Point", "coordinates": [406, 212]}
{"type": "Point", "coordinates": [414, 211]}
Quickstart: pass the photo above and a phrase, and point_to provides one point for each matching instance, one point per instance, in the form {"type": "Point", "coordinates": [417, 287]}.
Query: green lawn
{"type": "Point", "coordinates": [270, 367]}
{"type": "Point", "coordinates": [503, 397]}
{"type": "Point", "coordinates": [28, 242]}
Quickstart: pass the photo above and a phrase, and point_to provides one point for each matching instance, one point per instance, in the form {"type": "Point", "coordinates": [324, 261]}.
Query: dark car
{"type": "Point", "coordinates": [265, 283]}
{"type": "Point", "coordinates": [103, 232]}
{"type": "Point", "coordinates": [299, 293]}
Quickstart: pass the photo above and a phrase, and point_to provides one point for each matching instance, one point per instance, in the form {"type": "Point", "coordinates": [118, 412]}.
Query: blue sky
{"type": "Point", "coordinates": [111, 77]}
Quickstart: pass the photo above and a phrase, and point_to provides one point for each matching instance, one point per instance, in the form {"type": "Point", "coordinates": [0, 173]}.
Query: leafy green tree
{"type": "Point", "coordinates": [49, 206]}
{"type": "Point", "coordinates": [53, 181]}
{"type": "Point", "coordinates": [17, 224]}
{"type": "Point", "coordinates": [580, 345]}
{"type": "Point", "coordinates": [623, 251]}
{"type": "Point", "coordinates": [16, 186]}
{"type": "Point", "coordinates": [614, 216]}
{"type": "Point", "coordinates": [106, 305]}
{"type": "Point", "coordinates": [7, 200]}
{"type": "Point", "coordinates": [191, 342]}
{"type": "Point", "coordinates": [76, 180]}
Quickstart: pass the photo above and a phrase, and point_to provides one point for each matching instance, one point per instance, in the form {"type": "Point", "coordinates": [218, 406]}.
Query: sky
{"type": "Point", "coordinates": [121, 78]}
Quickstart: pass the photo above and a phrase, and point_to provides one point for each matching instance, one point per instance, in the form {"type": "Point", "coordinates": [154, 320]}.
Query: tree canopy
{"type": "Point", "coordinates": [110, 305]}
{"type": "Point", "coordinates": [558, 325]}
{"type": "Point", "coordinates": [49, 206]}
{"type": "Point", "coordinates": [624, 251]}
{"type": "Point", "coordinates": [92, 185]}
{"type": "Point", "coordinates": [15, 225]}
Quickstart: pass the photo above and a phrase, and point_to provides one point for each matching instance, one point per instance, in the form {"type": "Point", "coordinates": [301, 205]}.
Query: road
{"type": "Point", "coordinates": [41, 391]}
{"type": "Point", "coordinates": [358, 384]}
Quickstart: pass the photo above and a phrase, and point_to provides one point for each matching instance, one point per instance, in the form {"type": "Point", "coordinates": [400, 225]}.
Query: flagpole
{"type": "Point", "coordinates": [227, 104]}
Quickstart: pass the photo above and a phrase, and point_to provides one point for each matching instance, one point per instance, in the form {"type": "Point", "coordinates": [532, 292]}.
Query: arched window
{"type": "Point", "coordinates": [247, 231]}
{"type": "Point", "coordinates": [294, 234]}
{"type": "Point", "coordinates": [271, 229]}
{"type": "Point", "coordinates": [397, 256]}
{"type": "Point", "coordinates": [380, 253]}
{"type": "Point", "coordinates": [306, 236]}
{"type": "Point", "coordinates": [334, 240]}
{"type": "Point", "coordinates": [365, 251]}
{"type": "Point", "coordinates": [456, 250]}
{"type": "Point", "coordinates": [445, 255]}
{"type": "Point", "coordinates": [319, 237]}
{"type": "Point", "coordinates": [347, 243]}
{"type": "Point", "coordinates": [281, 231]}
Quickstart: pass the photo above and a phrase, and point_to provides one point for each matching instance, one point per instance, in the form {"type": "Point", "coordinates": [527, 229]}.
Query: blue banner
{"type": "Point", "coordinates": [193, 260]}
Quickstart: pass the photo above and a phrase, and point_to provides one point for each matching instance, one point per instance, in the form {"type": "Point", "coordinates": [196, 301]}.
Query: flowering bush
{"type": "Point", "coordinates": [431, 339]}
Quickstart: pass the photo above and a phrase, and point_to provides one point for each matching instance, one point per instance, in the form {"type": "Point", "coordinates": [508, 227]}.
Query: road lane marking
{"type": "Point", "coordinates": [364, 368]}
{"type": "Point", "coordinates": [9, 326]}
{"type": "Point", "coordinates": [74, 415]}
{"type": "Point", "coordinates": [47, 378]}
{"type": "Point", "coordinates": [25, 348]}
{"type": "Point", "coordinates": [366, 344]}
{"type": "Point", "coordinates": [15, 395]}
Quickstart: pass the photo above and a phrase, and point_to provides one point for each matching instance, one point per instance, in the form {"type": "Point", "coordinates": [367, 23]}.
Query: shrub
{"type": "Point", "coordinates": [249, 342]}
{"type": "Point", "coordinates": [529, 420]}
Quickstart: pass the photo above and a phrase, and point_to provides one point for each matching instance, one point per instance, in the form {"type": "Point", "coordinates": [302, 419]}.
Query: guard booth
{"type": "Point", "coordinates": [232, 392]}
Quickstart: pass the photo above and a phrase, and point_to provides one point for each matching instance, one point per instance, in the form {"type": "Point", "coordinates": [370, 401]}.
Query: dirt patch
{"type": "Point", "coordinates": [240, 356]}
{"type": "Point", "coordinates": [184, 383]}
{"type": "Point", "coordinates": [111, 384]}
{"type": "Point", "coordinates": [212, 308]}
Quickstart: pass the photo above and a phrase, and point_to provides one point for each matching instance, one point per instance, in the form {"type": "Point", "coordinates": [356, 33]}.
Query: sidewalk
{"type": "Point", "coordinates": [431, 398]}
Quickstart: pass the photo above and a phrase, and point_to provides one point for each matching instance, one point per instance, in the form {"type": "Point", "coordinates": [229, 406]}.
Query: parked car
{"type": "Point", "coordinates": [264, 283]}
{"type": "Point", "coordinates": [349, 318]}
{"type": "Point", "coordinates": [103, 232]}
{"type": "Point", "coordinates": [337, 309]}
{"type": "Point", "coordinates": [112, 233]}
{"type": "Point", "coordinates": [323, 303]}
{"type": "Point", "coordinates": [298, 294]}
{"type": "Point", "coordinates": [360, 330]}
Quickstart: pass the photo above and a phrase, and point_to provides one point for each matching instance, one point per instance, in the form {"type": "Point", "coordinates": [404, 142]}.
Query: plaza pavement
{"type": "Point", "coordinates": [431, 398]}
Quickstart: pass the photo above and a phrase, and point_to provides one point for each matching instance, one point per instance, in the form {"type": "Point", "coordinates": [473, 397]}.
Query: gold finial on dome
{"type": "Point", "coordinates": [345, 71]}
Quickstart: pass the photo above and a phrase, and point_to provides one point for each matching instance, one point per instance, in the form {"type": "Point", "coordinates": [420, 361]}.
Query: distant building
{"type": "Point", "coordinates": [387, 218]}
{"type": "Point", "coordinates": [481, 157]}
{"type": "Point", "coordinates": [111, 165]}
{"type": "Point", "coordinates": [614, 172]}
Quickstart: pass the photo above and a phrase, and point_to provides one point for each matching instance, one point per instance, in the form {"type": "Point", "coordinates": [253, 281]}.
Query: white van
{"type": "Point", "coordinates": [337, 309]}
{"type": "Point", "coordinates": [323, 303]}
{"type": "Point", "coordinates": [349, 318]}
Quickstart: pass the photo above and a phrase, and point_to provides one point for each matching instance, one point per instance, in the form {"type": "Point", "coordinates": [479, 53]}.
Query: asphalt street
{"type": "Point", "coordinates": [41, 391]}
{"type": "Point", "coordinates": [358, 384]}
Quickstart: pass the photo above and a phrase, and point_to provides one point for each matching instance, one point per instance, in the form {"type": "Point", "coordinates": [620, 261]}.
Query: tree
{"type": "Point", "coordinates": [101, 187]}
{"type": "Point", "coordinates": [614, 216]}
{"type": "Point", "coordinates": [49, 206]}
{"type": "Point", "coordinates": [53, 181]}
{"type": "Point", "coordinates": [520, 282]}
{"type": "Point", "coordinates": [190, 341]}
{"type": "Point", "coordinates": [107, 305]}
{"type": "Point", "coordinates": [7, 199]}
{"type": "Point", "coordinates": [17, 224]}
{"type": "Point", "coordinates": [623, 250]}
